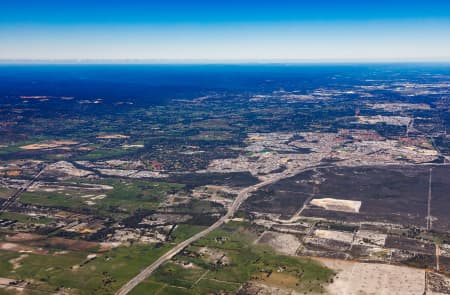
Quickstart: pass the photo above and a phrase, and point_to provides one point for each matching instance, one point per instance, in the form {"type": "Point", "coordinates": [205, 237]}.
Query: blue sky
{"type": "Point", "coordinates": [264, 30]}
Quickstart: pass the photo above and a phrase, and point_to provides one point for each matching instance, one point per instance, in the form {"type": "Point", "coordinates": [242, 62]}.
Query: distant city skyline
{"type": "Point", "coordinates": [225, 31]}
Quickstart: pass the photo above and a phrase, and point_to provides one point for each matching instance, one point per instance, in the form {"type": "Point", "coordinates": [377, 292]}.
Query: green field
{"type": "Point", "coordinates": [191, 273]}
{"type": "Point", "coordinates": [127, 195]}
{"type": "Point", "coordinates": [105, 153]}
{"type": "Point", "coordinates": [103, 275]}
{"type": "Point", "coordinates": [188, 273]}
{"type": "Point", "coordinates": [184, 231]}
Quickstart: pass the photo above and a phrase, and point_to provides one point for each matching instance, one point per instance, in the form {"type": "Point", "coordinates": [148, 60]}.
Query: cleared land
{"type": "Point", "coordinates": [49, 145]}
{"type": "Point", "coordinates": [283, 243]}
{"type": "Point", "coordinates": [337, 205]}
{"type": "Point", "coordinates": [354, 278]}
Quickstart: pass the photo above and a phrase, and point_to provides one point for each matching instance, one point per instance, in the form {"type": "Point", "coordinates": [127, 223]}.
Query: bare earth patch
{"type": "Point", "coordinates": [214, 255]}
{"type": "Point", "coordinates": [67, 169]}
{"type": "Point", "coordinates": [398, 107]}
{"type": "Point", "coordinates": [345, 237]}
{"type": "Point", "coordinates": [113, 136]}
{"type": "Point", "coordinates": [283, 243]}
{"type": "Point", "coordinates": [49, 145]}
{"type": "Point", "coordinates": [355, 278]}
{"type": "Point", "coordinates": [12, 285]}
{"type": "Point", "coordinates": [390, 120]}
{"type": "Point", "coordinates": [16, 261]}
{"type": "Point", "coordinates": [25, 237]}
{"type": "Point", "coordinates": [258, 288]}
{"type": "Point", "coordinates": [337, 205]}
{"type": "Point", "coordinates": [370, 238]}
{"type": "Point", "coordinates": [69, 244]}
{"type": "Point", "coordinates": [21, 248]}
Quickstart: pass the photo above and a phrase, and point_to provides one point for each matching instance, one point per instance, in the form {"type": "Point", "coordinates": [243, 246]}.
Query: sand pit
{"type": "Point", "coordinates": [132, 146]}
{"type": "Point", "coordinates": [113, 136]}
{"type": "Point", "coordinates": [49, 145]}
{"type": "Point", "coordinates": [354, 278]}
{"type": "Point", "coordinates": [282, 243]}
{"type": "Point", "coordinates": [337, 205]}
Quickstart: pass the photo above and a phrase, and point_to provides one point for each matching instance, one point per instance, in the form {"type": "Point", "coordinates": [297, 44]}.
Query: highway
{"type": "Point", "coordinates": [241, 197]}
{"type": "Point", "coordinates": [10, 200]}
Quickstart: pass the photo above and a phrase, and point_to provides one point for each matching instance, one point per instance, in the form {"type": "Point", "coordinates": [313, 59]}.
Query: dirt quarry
{"type": "Point", "coordinates": [355, 278]}
{"type": "Point", "coordinates": [337, 205]}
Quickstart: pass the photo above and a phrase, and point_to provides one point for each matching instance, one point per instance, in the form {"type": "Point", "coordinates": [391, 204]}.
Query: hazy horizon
{"type": "Point", "coordinates": [132, 61]}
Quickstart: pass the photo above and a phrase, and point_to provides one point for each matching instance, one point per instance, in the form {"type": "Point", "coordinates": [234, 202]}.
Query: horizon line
{"type": "Point", "coordinates": [143, 61]}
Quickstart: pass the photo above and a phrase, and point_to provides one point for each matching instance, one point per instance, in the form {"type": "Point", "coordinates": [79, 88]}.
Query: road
{"type": "Point", "coordinates": [429, 217]}
{"type": "Point", "coordinates": [438, 254]}
{"type": "Point", "coordinates": [241, 197]}
{"type": "Point", "coordinates": [305, 204]}
{"type": "Point", "coordinates": [10, 200]}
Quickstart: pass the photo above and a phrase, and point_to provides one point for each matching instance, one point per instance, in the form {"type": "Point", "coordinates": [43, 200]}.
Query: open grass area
{"type": "Point", "coordinates": [5, 266]}
{"type": "Point", "coordinates": [52, 199]}
{"type": "Point", "coordinates": [10, 149]}
{"type": "Point", "coordinates": [134, 194]}
{"type": "Point", "coordinates": [102, 275]}
{"type": "Point", "coordinates": [105, 153]}
{"type": "Point", "coordinates": [184, 231]}
{"type": "Point", "coordinates": [127, 195]}
{"type": "Point", "coordinates": [193, 272]}
{"type": "Point", "coordinates": [209, 286]}
{"type": "Point", "coordinates": [178, 275]}
{"type": "Point", "coordinates": [147, 288]}
{"type": "Point", "coordinates": [171, 290]}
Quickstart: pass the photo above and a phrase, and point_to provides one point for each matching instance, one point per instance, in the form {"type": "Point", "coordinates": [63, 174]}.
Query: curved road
{"type": "Point", "coordinates": [241, 197]}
